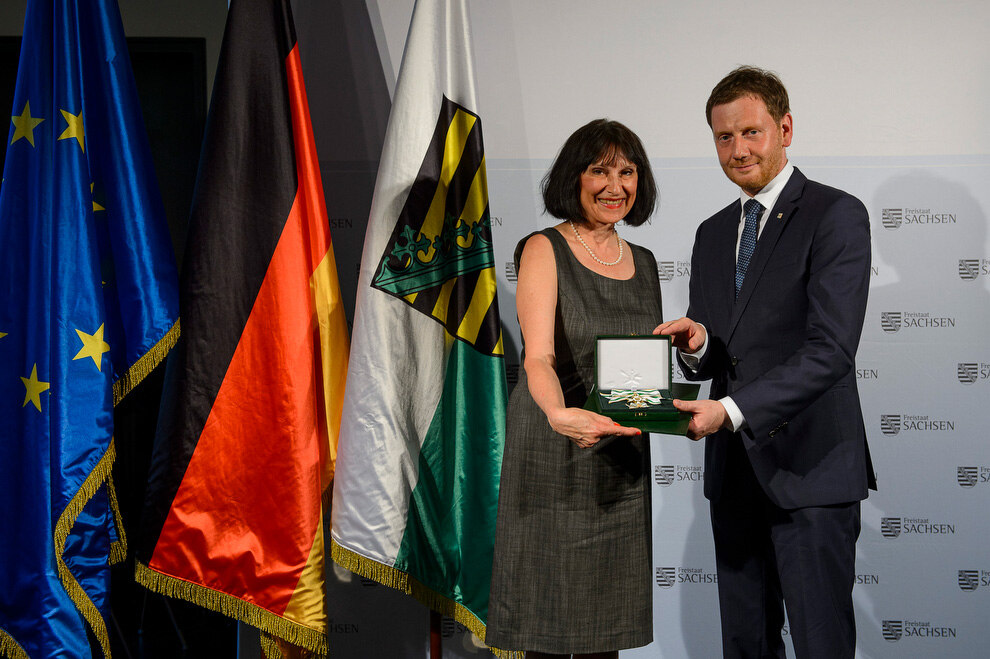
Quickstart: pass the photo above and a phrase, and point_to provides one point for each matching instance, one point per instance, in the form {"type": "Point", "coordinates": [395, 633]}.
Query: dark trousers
{"type": "Point", "coordinates": [767, 556]}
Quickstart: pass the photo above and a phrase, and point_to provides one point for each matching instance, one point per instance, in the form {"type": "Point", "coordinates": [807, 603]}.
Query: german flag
{"type": "Point", "coordinates": [247, 434]}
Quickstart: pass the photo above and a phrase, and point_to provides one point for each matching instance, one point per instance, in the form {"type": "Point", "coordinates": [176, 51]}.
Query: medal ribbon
{"type": "Point", "coordinates": [634, 398]}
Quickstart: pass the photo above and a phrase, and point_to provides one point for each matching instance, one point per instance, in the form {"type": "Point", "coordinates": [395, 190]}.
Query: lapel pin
{"type": "Point", "coordinates": [780, 215]}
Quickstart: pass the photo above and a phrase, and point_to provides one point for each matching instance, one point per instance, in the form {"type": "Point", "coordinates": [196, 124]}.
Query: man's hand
{"type": "Point", "coordinates": [707, 416]}
{"type": "Point", "coordinates": [685, 334]}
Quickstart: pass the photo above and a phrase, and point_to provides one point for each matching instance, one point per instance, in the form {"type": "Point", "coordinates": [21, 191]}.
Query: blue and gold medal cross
{"type": "Point", "coordinates": [635, 398]}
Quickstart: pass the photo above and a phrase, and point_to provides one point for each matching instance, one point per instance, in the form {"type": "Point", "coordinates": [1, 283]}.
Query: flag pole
{"type": "Point", "coordinates": [436, 641]}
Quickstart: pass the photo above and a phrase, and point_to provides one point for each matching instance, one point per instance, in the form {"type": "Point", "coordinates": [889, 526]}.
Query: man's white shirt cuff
{"type": "Point", "coordinates": [692, 360]}
{"type": "Point", "coordinates": [735, 415]}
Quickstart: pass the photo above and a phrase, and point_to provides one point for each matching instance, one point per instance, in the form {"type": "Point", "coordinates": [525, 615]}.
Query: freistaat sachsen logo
{"type": "Point", "coordinates": [666, 577]}
{"type": "Point", "coordinates": [967, 372]}
{"type": "Point", "coordinates": [892, 630]}
{"type": "Point", "coordinates": [664, 475]}
{"type": "Point", "coordinates": [891, 218]}
{"type": "Point", "coordinates": [890, 527]}
{"type": "Point", "coordinates": [890, 321]}
{"type": "Point", "coordinates": [969, 580]}
{"type": "Point", "coordinates": [967, 476]}
{"type": "Point", "coordinates": [969, 269]}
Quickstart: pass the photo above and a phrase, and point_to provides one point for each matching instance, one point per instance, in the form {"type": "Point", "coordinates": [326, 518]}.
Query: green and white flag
{"type": "Point", "coordinates": [423, 423]}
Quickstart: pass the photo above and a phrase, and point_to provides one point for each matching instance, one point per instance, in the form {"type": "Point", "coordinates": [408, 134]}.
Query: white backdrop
{"type": "Point", "coordinates": [889, 101]}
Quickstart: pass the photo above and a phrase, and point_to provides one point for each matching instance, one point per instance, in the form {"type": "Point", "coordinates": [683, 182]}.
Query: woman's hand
{"type": "Point", "coordinates": [586, 428]}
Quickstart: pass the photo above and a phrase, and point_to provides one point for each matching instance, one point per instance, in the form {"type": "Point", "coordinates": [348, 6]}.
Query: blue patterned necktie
{"type": "Point", "coordinates": [747, 243]}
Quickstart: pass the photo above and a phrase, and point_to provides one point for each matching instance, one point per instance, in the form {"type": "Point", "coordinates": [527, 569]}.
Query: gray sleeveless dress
{"type": "Point", "coordinates": [571, 572]}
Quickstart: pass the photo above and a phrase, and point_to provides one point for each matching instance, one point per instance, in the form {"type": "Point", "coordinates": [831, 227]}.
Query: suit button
{"type": "Point", "coordinates": [735, 361]}
{"type": "Point", "coordinates": [777, 429]}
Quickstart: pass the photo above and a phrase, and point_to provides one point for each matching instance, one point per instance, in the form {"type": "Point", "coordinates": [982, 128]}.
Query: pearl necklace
{"type": "Point", "coordinates": [593, 255]}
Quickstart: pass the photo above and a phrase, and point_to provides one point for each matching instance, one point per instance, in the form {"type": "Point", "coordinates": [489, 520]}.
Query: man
{"type": "Point", "coordinates": [777, 300]}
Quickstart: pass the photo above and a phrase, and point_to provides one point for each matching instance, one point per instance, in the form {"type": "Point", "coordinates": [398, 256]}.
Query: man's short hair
{"type": "Point", "coordinates": [750, 81]}
{"type": "Point", "coordinates": [599, 140]}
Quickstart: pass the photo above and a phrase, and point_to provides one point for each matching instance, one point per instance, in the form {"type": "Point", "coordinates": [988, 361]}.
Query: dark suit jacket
{"type": "Point", "coordinates": [785, 349]}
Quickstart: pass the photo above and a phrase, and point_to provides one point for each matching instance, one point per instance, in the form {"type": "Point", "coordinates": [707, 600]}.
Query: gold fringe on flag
{"type": "Point", "coordinates": [232, 607]}
{"type": "Point", "coordinates": [269, 647]}
{"type": "Point", "coordinates": [145, 364]}
{"type": "Point", "coordinates": [118, 549]}
{"type": "Point", "coordinates": [96, 478]}
{"type": "Point", "coordinates": [401, 581]}
{"type": "Point", "coordinates": [100, 475]}
{"type": "Point", "coordinates": [276, 648]}
{"type": "Point", "coordinates": [138, 371]}
{"type": "Point", "coordinates": [11, 648]}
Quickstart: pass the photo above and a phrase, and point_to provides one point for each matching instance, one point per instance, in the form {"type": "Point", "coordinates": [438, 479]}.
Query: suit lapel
{"type": "Point", "coordinates": [723, 260]}
{"type": "Point", "coordinates": [780, 215]}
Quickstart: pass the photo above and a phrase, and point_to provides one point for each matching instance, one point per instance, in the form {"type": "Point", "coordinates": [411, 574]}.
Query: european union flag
{"type": "Point", "coordinates": [89, 306]}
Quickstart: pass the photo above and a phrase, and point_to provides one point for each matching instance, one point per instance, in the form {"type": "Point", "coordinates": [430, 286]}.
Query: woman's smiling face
{"type": "Point", "coordinates": [608, 190]}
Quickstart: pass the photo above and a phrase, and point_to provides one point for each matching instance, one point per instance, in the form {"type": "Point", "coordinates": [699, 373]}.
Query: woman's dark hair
{"type": "Point", "coordinates": [602, 141]}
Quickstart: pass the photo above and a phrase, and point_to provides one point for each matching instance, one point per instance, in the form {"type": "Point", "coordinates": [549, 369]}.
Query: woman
{"type": "Point", "coordinates": [571, 573]}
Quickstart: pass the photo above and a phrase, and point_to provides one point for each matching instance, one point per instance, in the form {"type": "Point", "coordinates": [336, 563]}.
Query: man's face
{"type": "Point", "coordinates": [749, 143]}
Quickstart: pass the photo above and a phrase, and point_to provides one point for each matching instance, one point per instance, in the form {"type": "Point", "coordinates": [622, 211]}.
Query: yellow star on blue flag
{"type": "Point", "coordinates": [34, 388]}
{"type": "Point", "coordinates": [74, 129]}
{"type": "Point", "coordinates": [25, 124]}
{"type": "Point", "coordinates": [96, 206]}
{"type": "Point", "coordinates": [93, 346]}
